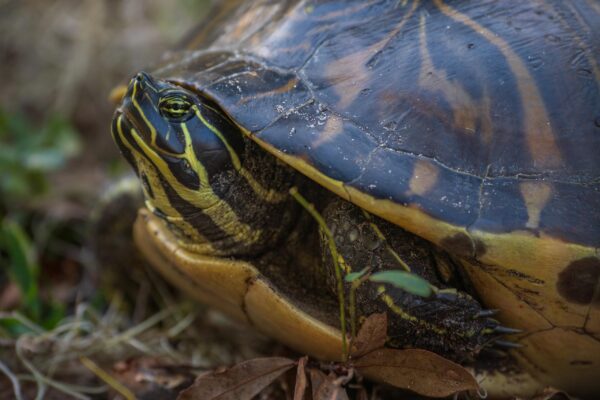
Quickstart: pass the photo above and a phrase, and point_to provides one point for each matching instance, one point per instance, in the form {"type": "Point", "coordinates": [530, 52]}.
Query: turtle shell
{"type": "Point", "coordinates": [475, 125]}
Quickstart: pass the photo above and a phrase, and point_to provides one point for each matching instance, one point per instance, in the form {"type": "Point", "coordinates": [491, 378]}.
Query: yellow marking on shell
{"type": "Point", "coordinates": [580, 43]}
{"type": "Point", "coordinates": [573, 355]}
{"type": "Point", "coordinates": [267, 51]}
{"type": "Point", "coordinates": [291, 84]}
{"type": "Point", "coordinates": [519, 250]}
{"type": "Point", "coordinates": [485, 116]}
{"type": "Point", "coordinates": [333, 128]}
{"type": "Point", "coordinates": [537, 315]}
{"type": "Point", "coordinates": [536, 196]}
{"type": "Point", "coordinates": [529, 265]}
{"type": "Point", "coordinates": [347, 11]}
{"type": "Point", "coordinates": [595, 5]}
{"type": "Point", "coordinates": [224, 10]}
{"type": "Point", "coordinates": [389, 301]}
{"type": "Point", "coordinates": [541, 141]}
{"type": "Point", "coordinates": [466, 110]}
{"type": "Point", "coordinates": [268, 195]}
{"type": "Point", "coordinates": [349, 75]}
{"type": "Point", "coordinates": [247, 21]}
{"type": "Point", "coordinates": [424, 178]}
{"type": "Point", "coordinates": [193, 239]}
{"type": "Point", "coordinates": [463, 106]}
{"type": "Point", "coordinates": [253, 20]}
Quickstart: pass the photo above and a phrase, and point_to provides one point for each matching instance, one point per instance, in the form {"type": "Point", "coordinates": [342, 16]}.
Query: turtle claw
{"type": "Point", "coordinates": [504, 330]}
{"type": "Point", "coordinates": [486, 313]}
{"type": "Point", "coordinates": [448, 295]}
{"type": "Point", "coordinates": [507, 344]}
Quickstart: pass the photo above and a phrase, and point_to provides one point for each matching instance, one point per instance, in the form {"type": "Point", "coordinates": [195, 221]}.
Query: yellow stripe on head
{"type": "Point", "coordinates": [268, 195]}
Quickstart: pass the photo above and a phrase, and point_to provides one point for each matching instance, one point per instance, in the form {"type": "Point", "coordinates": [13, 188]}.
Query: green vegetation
{"type": "Point", "coordinates": [28, 154]}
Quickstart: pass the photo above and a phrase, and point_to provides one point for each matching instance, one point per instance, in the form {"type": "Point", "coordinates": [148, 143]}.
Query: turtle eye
{"type": "Point", "coordinates": [175, 106]}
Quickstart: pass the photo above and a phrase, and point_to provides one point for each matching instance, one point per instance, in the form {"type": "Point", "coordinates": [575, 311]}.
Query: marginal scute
{"type": "Point", "coordinates": [555, 368]}
{"type": "Point", "coordinates": [579, 282]}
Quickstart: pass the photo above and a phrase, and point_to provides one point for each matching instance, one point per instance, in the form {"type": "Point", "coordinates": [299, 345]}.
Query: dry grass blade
{"type": "Point", "coordinates": [325, 387]}
{"type": "Point", "coordinates": [371, 336]}
{"type": "Point", "coordinates": [301, 381]}
{"type": "Point", "coordinates": [242, 381]}
{"type": "Point", "coordinates": [13, 380]}
{"type": "Point", "coordinates": [106, 377]}
{"type": "Point", "coordinates": [420, 371]}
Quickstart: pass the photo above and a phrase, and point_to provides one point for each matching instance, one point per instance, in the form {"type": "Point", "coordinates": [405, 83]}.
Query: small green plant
{"type": "Point", "coordinates": [28, 153]}
{"type": "Point", "coordinates": [406, 281]}
{"type": "Point", "coordinates": [403, 279]}
{"type": "Point", "coordinates": [23, 270]}
{"type": "Point", "coordinates": [334, 254]}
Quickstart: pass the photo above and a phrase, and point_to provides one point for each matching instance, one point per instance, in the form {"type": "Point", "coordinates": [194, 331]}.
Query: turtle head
{"type": "Point", "coordinates": [178, 145]}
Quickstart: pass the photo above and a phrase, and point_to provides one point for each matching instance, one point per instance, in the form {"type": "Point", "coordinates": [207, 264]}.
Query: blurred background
{"type": "Point", "coordinates": [59, 313]}
{"type": "Point", "coordinates": [59, 62]}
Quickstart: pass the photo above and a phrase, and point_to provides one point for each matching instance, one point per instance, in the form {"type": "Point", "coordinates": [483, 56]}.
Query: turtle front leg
{"type": "Point", "coordinates": [450, 322]}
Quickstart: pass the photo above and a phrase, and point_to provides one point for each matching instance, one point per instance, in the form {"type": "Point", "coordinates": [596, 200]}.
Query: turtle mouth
{"type": "Point", "coordinates": [122, 132]}
{"type": "Point", "coordinates": [138, 152]}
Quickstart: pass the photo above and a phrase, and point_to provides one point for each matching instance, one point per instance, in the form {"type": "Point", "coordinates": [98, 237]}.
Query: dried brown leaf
{"type": "Point", "coordinates": [325, 387]}
{"type": "Point", "coordinates": [371, 336]}
{"type": "Point", "coordinates": [146, 376]}
{"type": "Point", "coordinates": [420, 371]}
{"type": "Point", "coordinates": [301, 381]}
{"type": "Point", "coordinates": [242, 381]}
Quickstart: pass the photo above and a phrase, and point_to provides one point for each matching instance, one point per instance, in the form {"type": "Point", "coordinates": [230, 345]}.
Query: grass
{"type": "Point", "coordinates": [61, 329]}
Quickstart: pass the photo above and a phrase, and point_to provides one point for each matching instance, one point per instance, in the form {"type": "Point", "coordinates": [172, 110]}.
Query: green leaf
{"type": "Point", "coordinates": [53, 314]}
{"type": "Point", "coordinates": [23, 267]}
{"type": "Point", "coordinates": [29, 153]}
{"type": "Point", "coordinates": [44, 159]}
{"type": "Point", "coordinates": [404, 280]}
{"type": "Point", "coordinates": [13, 327]}
{"type": "Point", "coordinates": [352, 276]}
{"type": "Point", "coordinates": [60, 135]}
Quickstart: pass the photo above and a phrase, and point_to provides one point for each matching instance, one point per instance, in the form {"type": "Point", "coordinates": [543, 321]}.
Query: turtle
{"type": "Point", "coordinates": [458, 140]}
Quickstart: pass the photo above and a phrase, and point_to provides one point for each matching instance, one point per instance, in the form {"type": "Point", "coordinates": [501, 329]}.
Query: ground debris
{"type": "Point", "coordinates": [240, 382]}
